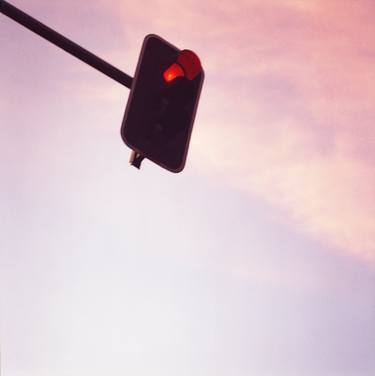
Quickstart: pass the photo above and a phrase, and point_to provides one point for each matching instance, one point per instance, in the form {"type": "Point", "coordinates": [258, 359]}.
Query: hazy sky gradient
{"type": "Point", "coordinates": [259, 259]}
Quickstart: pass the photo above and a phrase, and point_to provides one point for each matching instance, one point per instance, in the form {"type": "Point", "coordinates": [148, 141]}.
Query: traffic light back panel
{"type": "Point", "coordinates": [160, 113]}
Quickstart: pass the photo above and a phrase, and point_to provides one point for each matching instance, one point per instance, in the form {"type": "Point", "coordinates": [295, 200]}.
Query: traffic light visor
{"type": "Point", "coordinates": [190, 63]}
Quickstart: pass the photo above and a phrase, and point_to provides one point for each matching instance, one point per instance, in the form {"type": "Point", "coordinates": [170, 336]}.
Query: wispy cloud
{"type": "Point", "coordinates": [295, 119]}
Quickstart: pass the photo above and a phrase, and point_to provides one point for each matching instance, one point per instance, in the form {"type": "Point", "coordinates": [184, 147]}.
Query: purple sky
{"type": "Point", "coordinates": [259, 259]}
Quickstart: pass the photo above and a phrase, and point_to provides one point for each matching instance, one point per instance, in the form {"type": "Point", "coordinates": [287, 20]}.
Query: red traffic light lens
{"type": "Point", "coordinates": [188, 65]}
{"type": "Point", "coordinates": [173, 72]}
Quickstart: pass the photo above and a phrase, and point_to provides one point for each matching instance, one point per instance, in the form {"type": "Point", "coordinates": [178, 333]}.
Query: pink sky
{"type": "Point", "coordinates": [258, 259]}
{"type": "Point", "coordinates": [302, 74]}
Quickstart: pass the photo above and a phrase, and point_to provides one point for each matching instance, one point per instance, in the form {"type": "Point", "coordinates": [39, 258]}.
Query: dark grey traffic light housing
{"type": "Point", "coordinates": [162, 103]}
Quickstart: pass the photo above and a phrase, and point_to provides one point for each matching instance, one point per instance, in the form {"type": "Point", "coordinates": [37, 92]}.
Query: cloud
{"type": "Point", "coordinates": [296, 127]}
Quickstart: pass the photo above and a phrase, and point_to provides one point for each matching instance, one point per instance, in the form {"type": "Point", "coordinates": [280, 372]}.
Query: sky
{"type": "Point", "coordinates": [258, 259]}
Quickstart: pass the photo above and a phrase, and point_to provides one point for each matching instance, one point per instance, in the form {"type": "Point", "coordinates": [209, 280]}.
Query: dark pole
{"type": "Point", "coordinates": [65, 43]}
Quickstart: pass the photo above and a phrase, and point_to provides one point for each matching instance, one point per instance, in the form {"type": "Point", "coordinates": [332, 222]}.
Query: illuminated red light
{"type": "Point", "coordinates": [188, 65]}
{"type": "Point", "coordinates": [173, 72]}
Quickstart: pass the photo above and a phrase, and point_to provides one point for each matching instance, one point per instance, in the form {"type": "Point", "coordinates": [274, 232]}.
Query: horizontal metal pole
{"type": "Point", "coordinates": [65, 43]}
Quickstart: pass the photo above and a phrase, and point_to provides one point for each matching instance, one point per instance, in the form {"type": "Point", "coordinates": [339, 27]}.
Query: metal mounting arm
{"type": "Point", "coordinates": [65, 43]}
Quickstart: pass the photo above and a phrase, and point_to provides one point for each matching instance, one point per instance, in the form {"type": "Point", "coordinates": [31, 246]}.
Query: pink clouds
{"type": "Point", "coordinates": [304, 139]}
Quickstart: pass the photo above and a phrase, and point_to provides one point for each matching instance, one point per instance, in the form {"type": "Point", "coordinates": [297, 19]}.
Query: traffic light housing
{"type": "Point", "coordinates": [162, 103]}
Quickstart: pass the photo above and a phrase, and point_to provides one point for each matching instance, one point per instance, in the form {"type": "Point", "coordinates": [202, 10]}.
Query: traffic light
{"type": "Point", "coordinates": [162, 104]}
